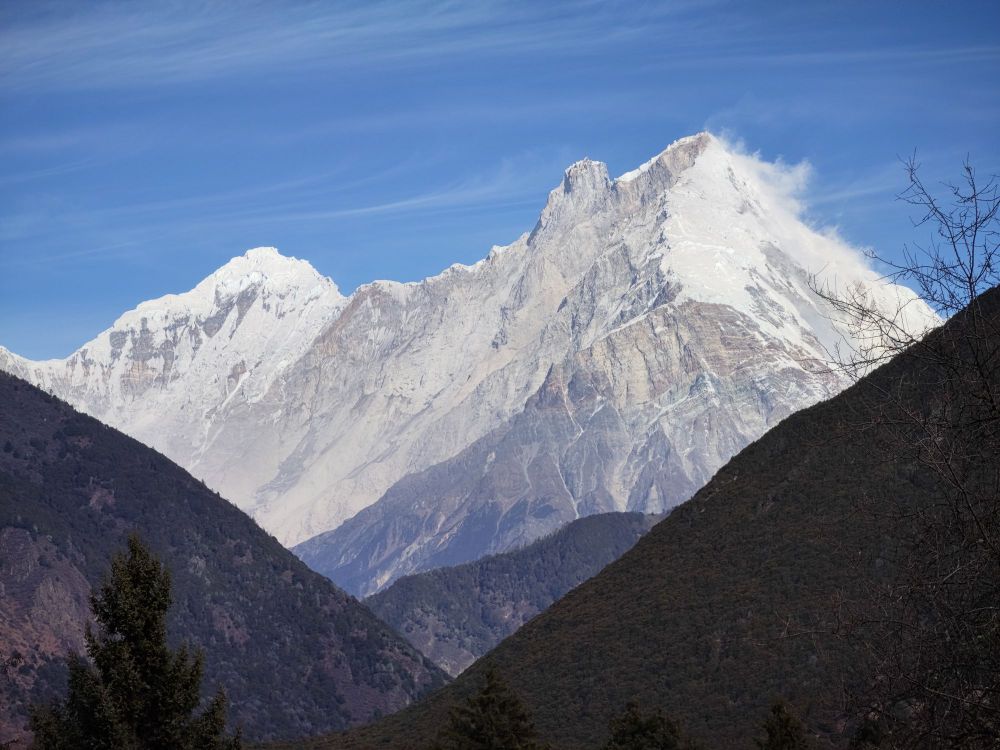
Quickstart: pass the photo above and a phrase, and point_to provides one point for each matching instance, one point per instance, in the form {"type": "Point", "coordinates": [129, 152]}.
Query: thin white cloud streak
{"type": "Point", "coordinates": [515, 181]}
{"type": "Point", "coordinates": [881, 56]}
{"type": "Point", "coordinates": [17, 178]}
{"type": "Point", "coordinates": [101, 147]}
{"type": "Point", "coordinates": [116, 250]}
{"type": "Point", "coordinates": [464, 114]}
{"type": "Point", "coordinates": [241, 195]}
{"type": "Point", "coordinates": [518, 181]}
{"type": "Point", "coordinates": [41, 142]}
{"type": "Point", "coordinates": [144, 45]}
{"type": "Point", "coordinates": [258, 200]}
{"type": "Point", "coordinates": [112, 45]}
{"type": "Point", "coordinates": [884, 184]}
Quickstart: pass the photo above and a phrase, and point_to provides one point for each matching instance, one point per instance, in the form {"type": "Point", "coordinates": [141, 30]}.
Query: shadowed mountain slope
{"type": "Point", "coordinates": [295, 654]}
{"type": "Point", "coordinates": [722, 606]}
{"type": "Point", "coordinates": [455, 615]}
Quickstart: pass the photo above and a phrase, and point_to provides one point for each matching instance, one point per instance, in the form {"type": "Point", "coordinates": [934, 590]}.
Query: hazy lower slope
{"type": "Point", "coordinates": [455, 615]}
{"type": "Point", "coordinates": [295, 654]}
{"type": "Point", "coordinates": [711, 615]}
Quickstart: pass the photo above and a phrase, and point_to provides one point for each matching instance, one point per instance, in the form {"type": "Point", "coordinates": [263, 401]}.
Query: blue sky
{"type": "Point", "coordinates": [144, 144]}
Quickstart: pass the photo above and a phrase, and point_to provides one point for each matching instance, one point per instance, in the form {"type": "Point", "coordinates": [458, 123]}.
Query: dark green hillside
{"type": "Point", "coordinates": [455, 615]}
{"type": "Point", "coordinates": [726, 604]}
{"type": "Point", "coordinates": [295, 654]}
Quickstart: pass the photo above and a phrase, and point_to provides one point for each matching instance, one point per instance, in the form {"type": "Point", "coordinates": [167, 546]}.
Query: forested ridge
{"type": "Point", "coordinates": [295, 654]}
{"type": "Point", "coordinates": [455, 615]}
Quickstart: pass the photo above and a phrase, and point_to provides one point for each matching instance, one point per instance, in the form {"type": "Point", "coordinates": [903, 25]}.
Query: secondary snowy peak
{"type": "Point", "coordinates": [164, 370]}
{"type": "Point", "coordinates": [266, 264]}
{"type": "Point", "coordinates": [248, 301]}
{"type": "Point", "coordinates": [261, 270]}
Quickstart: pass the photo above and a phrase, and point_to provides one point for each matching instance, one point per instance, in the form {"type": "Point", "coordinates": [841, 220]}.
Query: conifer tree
{"type": "Point", "coordinates": [134, 693]}
{"type": "Point", "coordinates": [493, 719]}
{"type": "Point", "coordinates": [634, 730]}
{"type": "Point", "coordinates": [783, 730]}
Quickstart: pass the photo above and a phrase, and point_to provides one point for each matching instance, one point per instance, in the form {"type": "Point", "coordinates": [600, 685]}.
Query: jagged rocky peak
{"type": "Point", "coordinates": [587, 179]}
{"type": "Point", "coordinates": [587, 176]}
{"type": "Point", "coordinates": [585, 189]}
{"type": "Point", "coordinates": [587, 193]}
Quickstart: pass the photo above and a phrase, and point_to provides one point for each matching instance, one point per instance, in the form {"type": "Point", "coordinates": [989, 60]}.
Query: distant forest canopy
{"type": "Point", "coordinates": [455, 615]}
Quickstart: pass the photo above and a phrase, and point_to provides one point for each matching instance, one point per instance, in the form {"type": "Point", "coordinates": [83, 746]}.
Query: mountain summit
{"type": "Point", "coordinates": [613, 358]}
{"type": "Point", "coordinates": [167, 370]}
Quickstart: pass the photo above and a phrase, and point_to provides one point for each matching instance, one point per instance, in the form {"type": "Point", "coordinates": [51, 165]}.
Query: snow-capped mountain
{"type": "Point", "coordinates": [174, 370]}
{"type": "Point", "coordinates": [691, 332]}
{"type": "Point", "coordinates": [645, 330]}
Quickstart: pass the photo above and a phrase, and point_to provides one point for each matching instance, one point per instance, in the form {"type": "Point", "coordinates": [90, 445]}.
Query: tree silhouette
{"type": "Point", "coordinates": [782, 730]}
{"type": "Point", "coordinates": [135, 693]}
{"type": "Point", "coordinates": [634, 730]}
{"type": "Point", "coordinates": [492, 719]}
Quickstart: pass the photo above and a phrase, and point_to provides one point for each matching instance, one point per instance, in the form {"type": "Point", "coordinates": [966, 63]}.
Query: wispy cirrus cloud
{"type": "Point", "coordinates": [885, 180]}
{"type": "Point", "coordinates": [508, 184]}
{"type": "Point", "coordinates": [520, 180]}
{"type": "Point", "coordinates": [10, 178]}
{"type": "Point", "coordinates": [88, 252]}
{"type": "Point", "coordinates": [762, 55]}
{"type": "Point", "coordinates": [320, 199]}
{"type": "Point", "coordinates": [106, 44]}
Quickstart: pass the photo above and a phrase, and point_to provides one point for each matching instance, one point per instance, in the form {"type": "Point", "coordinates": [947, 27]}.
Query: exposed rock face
{"type": "Point", "coordinates": [644, 331]}
{"type": "Point", "coordinates": [739, 594]}
{"type": "Point", "coordinates": [637, 423]}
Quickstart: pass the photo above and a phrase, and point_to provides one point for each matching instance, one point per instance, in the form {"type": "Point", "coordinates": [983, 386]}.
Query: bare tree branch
{"type": "Point", "coordinates": [932, 630]}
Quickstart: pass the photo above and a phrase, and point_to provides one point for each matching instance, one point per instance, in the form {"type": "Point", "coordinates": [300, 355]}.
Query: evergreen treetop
{"type": "Point", "coordinates": [783, 730]}
{"type": "Point", "coordinates": [492, 719]}
{"type": "Point", "coordinates": [135, 693]}
{"type": "Point", "coordinates": [634, 730]}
